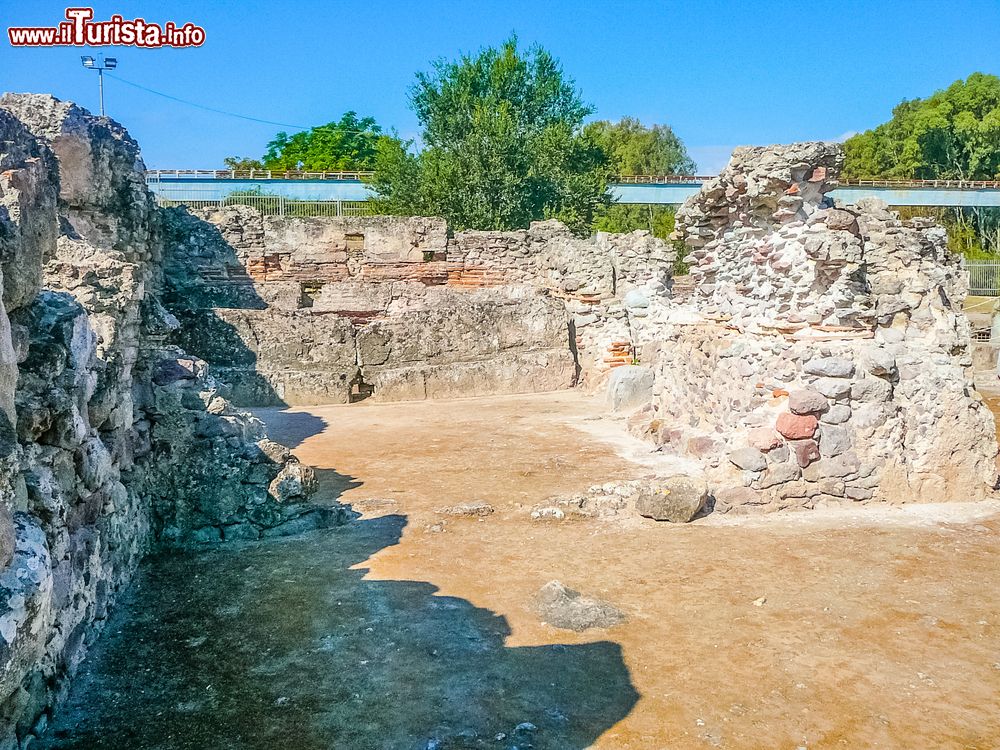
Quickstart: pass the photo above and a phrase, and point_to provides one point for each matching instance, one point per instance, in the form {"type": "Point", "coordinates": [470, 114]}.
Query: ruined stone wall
{"type": "Point", "coordinates": [114, 437]}
{"type": "Point", "coordinates": [822, 356]}
{"type": "Point", "coordinates": [323, 310]}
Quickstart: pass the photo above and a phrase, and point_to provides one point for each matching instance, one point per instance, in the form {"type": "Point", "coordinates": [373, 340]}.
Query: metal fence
{"type": "Point", "coordinates": [269, 205]}
{"type": "Point", "coordinates": [984, 277]}
{"type": "Point", "coordinates": [255, 174]}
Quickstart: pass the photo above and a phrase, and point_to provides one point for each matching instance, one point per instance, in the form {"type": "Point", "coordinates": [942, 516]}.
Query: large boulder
{"type": "Point", "coordinates": [678, 500]}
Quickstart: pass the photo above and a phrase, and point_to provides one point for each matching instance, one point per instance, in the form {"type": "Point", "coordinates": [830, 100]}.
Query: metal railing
{"type": "Point", "coordinates": [984, 277]}
{"type": "Point", "coordinates": [274, 205]}
{"type": "Point", "coordinates": [254, 174]}
{"type": "Point", "coordinates": [661, 179]}
{"type": "Point", "coordinates": [640, 179]}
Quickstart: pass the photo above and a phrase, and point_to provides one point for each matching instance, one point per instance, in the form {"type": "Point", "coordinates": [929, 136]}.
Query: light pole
{"type": "Point", "coordinates": [101, 64]}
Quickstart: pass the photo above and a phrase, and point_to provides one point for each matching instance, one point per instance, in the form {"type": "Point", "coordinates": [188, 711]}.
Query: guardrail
{"type": "Point", "coordinates": [639, 179]}
{"type": "Point", "coordinates": [253, 174]}
{"type": "Point", "coordinates": [273, 205]}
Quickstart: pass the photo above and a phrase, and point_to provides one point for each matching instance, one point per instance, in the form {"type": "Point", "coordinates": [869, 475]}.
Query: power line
{"type": "Point", "coordinates": [213, 109]}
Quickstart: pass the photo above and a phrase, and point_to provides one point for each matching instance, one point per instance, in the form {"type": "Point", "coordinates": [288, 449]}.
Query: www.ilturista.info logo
{"type": "Point", "coordinates": [79, 30]}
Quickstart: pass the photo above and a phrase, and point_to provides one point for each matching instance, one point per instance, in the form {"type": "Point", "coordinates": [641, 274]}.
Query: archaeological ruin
{"type": "Point", "coordinates": [816, 356]}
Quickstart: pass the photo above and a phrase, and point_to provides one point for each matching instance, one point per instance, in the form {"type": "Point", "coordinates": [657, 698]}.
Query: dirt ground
{"type": "Point", "coordinates": [860, 628]}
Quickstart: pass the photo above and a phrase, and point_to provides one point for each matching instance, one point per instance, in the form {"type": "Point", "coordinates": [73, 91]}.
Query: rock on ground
{"type": "Point", "coordinates": [565, 608]}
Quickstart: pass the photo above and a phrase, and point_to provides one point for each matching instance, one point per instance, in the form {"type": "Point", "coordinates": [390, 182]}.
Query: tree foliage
{"type": "Point", "coordinates": [503, 145]}
{"type": "Point", "coordinates": [242, 163]}
{"type": "Point", "coordinates": [635, 149]}
{"type": "Point", "coordinates": [349, 144]}
{"type": "Point", "coordinates": [953, 134]}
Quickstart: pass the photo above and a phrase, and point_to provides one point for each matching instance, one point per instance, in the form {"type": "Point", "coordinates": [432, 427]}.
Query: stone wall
{"type": "Point", "coordinates": [325, 310]}
{"type": "Point", "coordinates": [111, 437]}
{"type": "Point", "coordinates": [822, 357]}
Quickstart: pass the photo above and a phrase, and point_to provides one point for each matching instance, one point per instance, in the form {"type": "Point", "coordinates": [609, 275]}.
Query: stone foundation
{"type": "Point", "coordinates": [326, 310]}
{"type": "Point", "coordinates": [822, 357]}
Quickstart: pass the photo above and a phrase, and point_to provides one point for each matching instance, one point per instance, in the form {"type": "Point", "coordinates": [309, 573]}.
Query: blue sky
{"type": "Point", "coordinates": [720, 73]}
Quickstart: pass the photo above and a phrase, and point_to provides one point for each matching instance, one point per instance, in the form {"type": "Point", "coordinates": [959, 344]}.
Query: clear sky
{"type": "Point", "coordinates": [720, 73]}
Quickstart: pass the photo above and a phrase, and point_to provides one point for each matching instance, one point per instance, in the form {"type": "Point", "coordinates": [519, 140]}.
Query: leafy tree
{"type": "Point", "coordinates": [635, 149]}
{"type": "Point", "coordinates": [242, 163]}
{"type": "Point", "coordinates": [953, 134]}
{"type": "Point", "coordinates": [348, 144]}
{"type": "Point", "coordinates": [503, 145]}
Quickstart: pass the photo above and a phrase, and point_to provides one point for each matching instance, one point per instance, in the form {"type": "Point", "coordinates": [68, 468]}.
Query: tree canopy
{"type": "Point", "coordinates": [242, 163]}
{"type": "Point", "coordinates": [348, 144]}
{"type": "Point", "coordinates": [503, 145]}
{"type": "Point", "coordinates": [635, 149]}
{"type": "Point", "coordinates": [952, 134]}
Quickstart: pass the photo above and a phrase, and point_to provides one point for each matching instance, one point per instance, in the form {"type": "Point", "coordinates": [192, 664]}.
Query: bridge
{"type": "Point", "coordinates": [195, 186]}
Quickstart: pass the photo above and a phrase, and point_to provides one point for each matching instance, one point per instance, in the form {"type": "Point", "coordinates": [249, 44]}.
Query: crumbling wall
{"type": "Point", "coordinates": [823, 356]}
{"type": "Point", "coordinates": [114, 437]}
{"type": "Point", "coordinates": [324, 310]}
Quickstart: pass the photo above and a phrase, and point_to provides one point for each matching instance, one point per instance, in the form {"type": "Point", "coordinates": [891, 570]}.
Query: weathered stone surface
{"type": "Point", "coordinates": [834, 388]}
{"type": "Point", "coordinates": [838, 467]}
{"type": "Point", "coordinates": [565, 608]}
{"type": "Point", "coordinates": [750, 459]}
{"type": "Point", "coordinates": [807, 401]}
{"type": "Point", "coordinates": [832, 367]}
{"type": "Point", "coordinates": [764, 439]}
{"type": "Point", "coordinates": [805, 451]}
{"type": "Point", "coordinates": [796, 426]}
{"type": "Point", "coordinates": [424, 315]}
{"type": "Point", "coordinates": [112, 447]}
{"type": "Point", "coordinates": [778, 474]}
{"type": "Point", "coordinates": [629, 388]}
{"type": "Point", "coordinates": [677, 500]}
{"type": "Point", "coordinates": [791, 292]}
{"type": "Point", "coordinates": [834, 440]}
{"type": "Point", "coordinates": [871, 389]}
{"type": "Point", "coordinates": [836, 414]}
{"type": "Point", "coordinates": [473, 509]}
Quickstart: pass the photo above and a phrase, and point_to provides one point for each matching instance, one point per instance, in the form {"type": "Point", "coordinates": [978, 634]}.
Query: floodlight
{"type": "Point", "coordinates": [101, 64]}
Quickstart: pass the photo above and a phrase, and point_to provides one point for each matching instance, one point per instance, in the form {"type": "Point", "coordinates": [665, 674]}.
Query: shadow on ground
{"type": "Point", "coordinates": [285, 644]}
{"type": "Point", "coordinates": [290, 428]}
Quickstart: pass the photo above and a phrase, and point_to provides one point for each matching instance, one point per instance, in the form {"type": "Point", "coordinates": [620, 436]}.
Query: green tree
{"type": "Point", "coordinates": [953, 134]}
{"type": "Point", "coordinates": [242, 163]}
{"type": "Point", "coordinates": [503, 145]}
{"type": "Point", "coordinates": [635, 149]}
{"type": "Point", "coordinates": [348, 144]}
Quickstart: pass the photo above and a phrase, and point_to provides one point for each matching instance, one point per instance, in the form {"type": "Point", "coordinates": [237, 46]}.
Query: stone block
{"type": "Point", "coordinates": [806, 401]}
{"type": "Point", "coordinates": [677, 500]}
{"type": "Point", "coordinates": [830, 367]}
{"type": "Point", "coordinates": [749, 459]}
{"type": "Point", "coordinates": [805, 451]}
{"type": "Point", "coordinates": [796, 426]}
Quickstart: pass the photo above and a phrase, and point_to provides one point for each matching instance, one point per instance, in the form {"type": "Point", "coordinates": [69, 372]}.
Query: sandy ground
{"type": "Point", "coordinates": [860, 628]}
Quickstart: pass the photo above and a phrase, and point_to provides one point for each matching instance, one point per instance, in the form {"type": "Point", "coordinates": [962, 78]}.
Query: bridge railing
{"type": "Point", "coordinates": [640, 179]}
{"type": "Point", "coordinates": [269, 205]}
{"type": "Point", "coordinates": [660, 179]}
{"type": "Point", "coordinates": [253, 174]}
{"type": "Point", "coordinates": [955, 184]}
